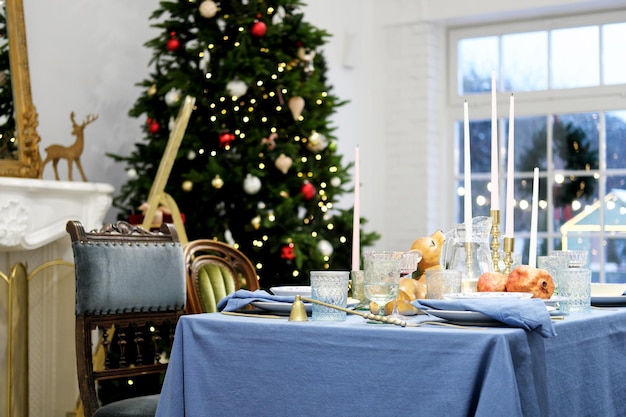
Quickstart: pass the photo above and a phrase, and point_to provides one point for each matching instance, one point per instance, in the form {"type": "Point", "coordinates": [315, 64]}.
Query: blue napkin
{"type": "Point", "coordinates": [242, 298]}
{"type": "Point", "coordinates": [529, 314]}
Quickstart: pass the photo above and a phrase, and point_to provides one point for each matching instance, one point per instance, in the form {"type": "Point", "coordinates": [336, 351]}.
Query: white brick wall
{"type": "Point", "coordinates": [417, 152]}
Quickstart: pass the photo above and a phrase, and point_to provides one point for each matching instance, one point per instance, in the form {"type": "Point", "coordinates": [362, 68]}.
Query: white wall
{"type": "Point", "coordinates": [86, 56]}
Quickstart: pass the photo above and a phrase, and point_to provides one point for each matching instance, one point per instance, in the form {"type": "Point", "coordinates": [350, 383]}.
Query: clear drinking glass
{"type": "Point", "coordinates": [330, 287]}
{"type": "Point", "coordinates": [553, 264]}
{"type": "Point", "coordinates": [382, 276]}
{"type": "Point", "coordinates": [408, 265]}
{"type": "Point", "coordinates": [575, 290]}
{"type": "Point", "coordinates": [576, 258]}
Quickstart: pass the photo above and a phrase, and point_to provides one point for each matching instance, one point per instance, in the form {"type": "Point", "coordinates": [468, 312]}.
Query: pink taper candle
{"type": "Point", "coordinates": [467, 173]}
{"type": "Point", "coordinates": [495, 184]}
{"type": "Point", "coordinates": [510, 199]}
{"type": "Point", "coordinates": [356, 223]}
{"type": "Point", "coordinates": [532, 250]}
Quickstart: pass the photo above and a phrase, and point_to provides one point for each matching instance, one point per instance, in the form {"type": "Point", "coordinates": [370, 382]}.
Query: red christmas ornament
{"type": "Point", "coordinates": [226, 138]}
{"type": "Point", "coordinates": [258, 29]}
{"type": "Point", "coordinates": [153, 126]}
{"type": "Point", "coordinates": [173, 44]}
{"type": "Point", "coordinates": [287, 252]}
{"type": "Point", "coordinates": [308, 190]}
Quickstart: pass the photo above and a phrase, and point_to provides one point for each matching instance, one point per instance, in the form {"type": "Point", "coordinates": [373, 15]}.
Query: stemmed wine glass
{"type": "Point", "coordinates": [382, 277]}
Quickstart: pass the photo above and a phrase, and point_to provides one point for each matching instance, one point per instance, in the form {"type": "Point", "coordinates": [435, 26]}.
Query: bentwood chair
{"type": "Point", "coordinates": [130, 292]}
{"type": "Point", "coordinates": [214, 270]}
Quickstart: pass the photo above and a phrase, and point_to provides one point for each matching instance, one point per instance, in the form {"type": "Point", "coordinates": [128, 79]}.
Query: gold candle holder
{"type": "Point", "coordinates": [495, 238]}
{"type": "Point", "coordinates": [509, 247]}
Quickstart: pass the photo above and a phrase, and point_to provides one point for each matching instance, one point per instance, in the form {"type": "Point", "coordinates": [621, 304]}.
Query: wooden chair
{"type": "Point", "coordinates": [214, 270]}
{"type": "Point", "coordinates": [130, 292]}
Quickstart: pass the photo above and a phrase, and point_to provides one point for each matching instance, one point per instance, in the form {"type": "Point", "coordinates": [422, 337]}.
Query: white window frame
{"type": "Point", "coordinates": [537, 103]}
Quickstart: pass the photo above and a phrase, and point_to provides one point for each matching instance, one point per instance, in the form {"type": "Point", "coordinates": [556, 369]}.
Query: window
{"type": "Point", "coordinates": [568, 76]}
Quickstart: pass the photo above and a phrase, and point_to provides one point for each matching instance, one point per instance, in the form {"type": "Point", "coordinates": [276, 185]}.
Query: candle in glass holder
{"type": "Point", "coordinates": [510, 199]}
{"type": "Point", "coordinates": [467, 174]}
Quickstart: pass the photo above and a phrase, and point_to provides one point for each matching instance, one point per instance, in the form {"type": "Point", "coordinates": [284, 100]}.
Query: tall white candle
{"type": "Point", "coordinates": [495, 185]}
{"type": "Point", "coordinates": [532, 250]}
{"type": "Point", "coordinates": [467, 173]}
{"type": "Point", "coordinates": [510, 199]}
{"type": "Point", "coordinates": [356, 223]}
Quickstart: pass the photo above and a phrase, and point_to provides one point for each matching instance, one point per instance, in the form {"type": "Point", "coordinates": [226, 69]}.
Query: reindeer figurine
{"type": "Point", "coordinates": [73, 152]}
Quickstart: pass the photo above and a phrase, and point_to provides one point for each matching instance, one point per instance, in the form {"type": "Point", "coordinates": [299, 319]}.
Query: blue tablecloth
{"type": "Point", "coordinates": [239, 366]}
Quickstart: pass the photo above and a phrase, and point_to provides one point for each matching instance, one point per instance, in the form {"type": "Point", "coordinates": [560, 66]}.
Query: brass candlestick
{"type": "Point", "coordinates": [509, 247]}
{"type": "Point", "coordinates": [495, 239]}
{"type": "Point", "coordinates": [469, 260]}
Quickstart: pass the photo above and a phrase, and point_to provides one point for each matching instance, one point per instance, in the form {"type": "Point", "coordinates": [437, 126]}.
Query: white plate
{"type": "Point", "coordinates": [277, 307]}
{"type": "Point", "coordinates": [608, 301]}
{"type": "Point", "coordinates": [551, 302]}
{"type": "Point", "coordinates": [607, 290]}
{"type": "Point", "coordinates": [486, 294]}
{"type": "Point", "coordinates": [469, 317]}
{"type": "Point", "coordinates": [302, 290]}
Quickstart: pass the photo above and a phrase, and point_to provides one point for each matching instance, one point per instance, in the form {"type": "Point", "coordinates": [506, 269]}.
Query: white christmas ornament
{"type": "Point", "coordinates": [335, 181]}
{"type": "Point", "coordinates": [191, 44]}
{"type": "Point", "coordinates": [283, 163]}
{"type": "Point", "coordinates": [171, 123]}
{"type": "Point", "coordinates": [251, 184]}
{"type": "Point", "coordinates": [317, 142]}
{"type": "Point", "coordinates": [131, 173]}
{"type": "Point", "coordinates": [172, 97]}
{"type": "Point", "coordinates": [208, 9]}
{"type": "Point", "coordinates": [191, 155]}
{"type": "Point", "coordinates": [278, 16]}
{"type": "Point", "coordinates": [236, 88]}
{"type": "Point", "coordinates": [205, 61]}
{"type": "Point", "coordinates": [228, 236]}
{"type": "Point", "coordinates": [325, 248]}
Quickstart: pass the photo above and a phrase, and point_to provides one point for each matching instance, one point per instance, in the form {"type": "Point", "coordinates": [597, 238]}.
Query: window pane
{"type": "Point", "coordinates": [530, 144]}
{"type": "Point", "coordinates": [480, 199]}
{"type": "Point", "coordinates": [616, 183]}
{"type": "Point", "coordinates": [525, 61]}
{"type": "Point", "coordinates": [615, 256]}
{"type": "Point", "coordinates": [614, 53]}
{"type": "Point", "coordinates": [616, 139]}
{"type": "Point", "coordinates": [576, 141]}
{"type": "Point", "coordinates": [477, 58]}
{"type": "Point", "coordinates": [575, 59]}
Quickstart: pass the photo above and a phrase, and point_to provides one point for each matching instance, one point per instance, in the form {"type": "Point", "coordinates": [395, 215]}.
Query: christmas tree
{"type": "Point", "coordinates": [258, 166]}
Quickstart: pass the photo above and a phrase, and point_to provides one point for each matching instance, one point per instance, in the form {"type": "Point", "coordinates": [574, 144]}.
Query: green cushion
{"type": "Point", "coordinates": [214, 283]}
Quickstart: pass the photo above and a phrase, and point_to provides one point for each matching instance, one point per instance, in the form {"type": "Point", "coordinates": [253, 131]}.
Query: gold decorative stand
{"type": "Point", "coordinates": [495, 239]}
{"type": "Point", "coordinates": [158, 196]}
{"type": "Point", "coordinates": [509, 248]}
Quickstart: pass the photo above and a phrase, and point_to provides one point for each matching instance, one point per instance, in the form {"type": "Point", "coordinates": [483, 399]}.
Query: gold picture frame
{"type": "Point", "coordinates": [28, 161]}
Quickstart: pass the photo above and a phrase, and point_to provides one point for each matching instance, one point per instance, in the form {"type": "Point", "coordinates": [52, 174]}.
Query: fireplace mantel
{"type": "Point", "coordinates": [34, 212]}
{"type": "Point", "coordinates": [36, 300]}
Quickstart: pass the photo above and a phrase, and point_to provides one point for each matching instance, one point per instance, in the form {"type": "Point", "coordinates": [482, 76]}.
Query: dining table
{"type": "Point", "coordinates": [232, 365]}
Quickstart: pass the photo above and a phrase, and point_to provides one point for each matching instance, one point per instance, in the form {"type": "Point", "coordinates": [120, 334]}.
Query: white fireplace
{"type": "Point", "coordinates": [38, 305]}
